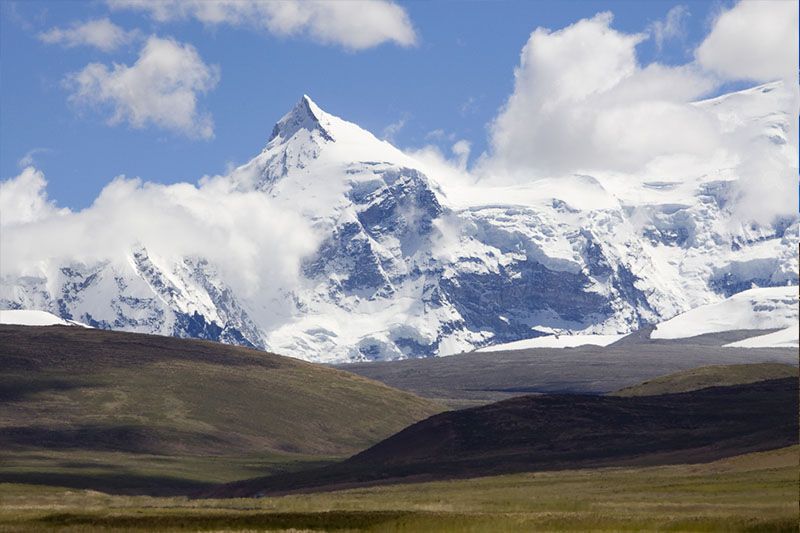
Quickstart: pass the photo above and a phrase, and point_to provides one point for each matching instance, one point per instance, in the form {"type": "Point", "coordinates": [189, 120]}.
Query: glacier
{"type": "Point", "coordinates": [408, 267]}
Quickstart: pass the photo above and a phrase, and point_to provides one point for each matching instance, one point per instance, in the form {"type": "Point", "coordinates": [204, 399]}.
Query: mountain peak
{"type": "Point", "coordinates": [305, 115]}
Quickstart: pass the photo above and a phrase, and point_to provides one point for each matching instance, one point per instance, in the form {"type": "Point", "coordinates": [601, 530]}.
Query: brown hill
{"type": "Point", "coordinates": [559, 431]}
{"type": "Point", "coordinates": [111, 410]}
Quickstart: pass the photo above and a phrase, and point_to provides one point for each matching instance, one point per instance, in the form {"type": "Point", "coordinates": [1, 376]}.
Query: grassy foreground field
{"type": "Point", "coordinates": [136, 473]}
{"type": "Point", "coordinates": [754, 492]}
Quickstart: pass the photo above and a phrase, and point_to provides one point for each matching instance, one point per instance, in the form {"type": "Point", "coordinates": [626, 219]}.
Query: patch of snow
{"type": "Point", "coordinates": [784, 338]}
{"type": "Point", "coordinates": [555, 341]}
{"type": "Point", "coordinates": [26, 317]}
{"type": "Point", "coordinates": [759, 308]}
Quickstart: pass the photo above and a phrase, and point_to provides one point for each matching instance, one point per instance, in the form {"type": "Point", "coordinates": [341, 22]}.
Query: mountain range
{"type": "Point", "coordinates": [406, 265]}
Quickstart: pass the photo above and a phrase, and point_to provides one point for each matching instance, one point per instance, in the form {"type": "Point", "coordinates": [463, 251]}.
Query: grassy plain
{"type": "Point", "coordinates": [753, 492]}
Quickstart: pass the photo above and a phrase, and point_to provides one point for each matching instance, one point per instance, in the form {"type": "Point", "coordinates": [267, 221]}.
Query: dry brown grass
{"type": "Point", "coordinates": [754, 492]}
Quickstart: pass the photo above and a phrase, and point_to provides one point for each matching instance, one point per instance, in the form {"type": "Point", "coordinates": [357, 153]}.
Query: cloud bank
{"type": "Point", "coordinates": [161, 88]}
{"type": "Point", "coordinates": [256, 245]}
{"type": "Point", "coordinates": [352, 24]}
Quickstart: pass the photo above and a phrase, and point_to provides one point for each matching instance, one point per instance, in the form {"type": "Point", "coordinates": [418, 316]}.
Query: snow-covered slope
{"type": "Point", "coordinates": [784, 338]}
{"type": "Point", "coordinates": [555, 341]}
{"type": "Point", "coordinates": [408, 268]}
{"type": "Point", "coordinates": [765, 308]}
{"type": "Point", "coordinates": [405, 271]}
{"type": "Point", "coordinates": [26, 317]}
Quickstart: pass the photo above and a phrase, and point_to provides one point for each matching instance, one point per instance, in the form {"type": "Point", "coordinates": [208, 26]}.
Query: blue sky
{"type": "Point", "coordinates": [455, 79]}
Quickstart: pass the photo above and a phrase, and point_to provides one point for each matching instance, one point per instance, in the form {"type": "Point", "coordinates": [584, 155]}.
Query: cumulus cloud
{"type": "Point", "coordinates": [100, 33]}
{"type": "Point", "coordinates": [754, 40]}
{"type": "Point", "coordinates": [582, 103]}
{"type": "Point", "coordinates": [161, 88]}
{"type": "Point", "coordinates": [352, 24]}
{"type": "Point", "coordinates": [256, 245]}
{"type": "Point", "coordinates": [23, 199]}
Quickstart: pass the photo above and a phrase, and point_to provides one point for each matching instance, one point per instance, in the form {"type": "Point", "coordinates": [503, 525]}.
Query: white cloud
{"type": "Point", "coordinates": [672, 27]}
{"type": "Point", "coordinates": [582, 103]}
{"type": "Point", "coordinates": [23, 199]}
{"type": "Point", "coordinates": [254, 244]}
{"type": "Point", "coordinates": [100, 33]}
{"type": "Point", "coordinates": [754, 40]}
{"type": "Point", "coordinates": [160, 89]}
{"type": "Point", "coordinates": [451, 171]}
{"type": "Point", "coordinates": [353, 24]}
{"type": "Point", "coordinates": [461, 150]}
{"type": "Point", "coordinates": [767, 185]}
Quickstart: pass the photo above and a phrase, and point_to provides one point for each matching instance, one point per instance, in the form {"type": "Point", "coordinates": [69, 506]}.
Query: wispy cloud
{"type": "Point", "coordinates": [390, 132]}
{"type": "Point", "coordinates": [99, 33]}
{"type": "Point", "coordinates": [28, 159]}
{"type": "Point", "coordinates": [469, 106]}
{"type": "Point", "coordinates": [673, 26]}
{"type": "Point", "coordinates": [352, 24]}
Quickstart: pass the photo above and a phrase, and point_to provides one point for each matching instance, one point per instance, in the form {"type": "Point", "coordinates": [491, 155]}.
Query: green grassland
{"type": "Point", "coordinates": [753, 492]}
{"type": "Point", "coordinates": [137, 473]}
{"type": "Point", "coordinates": [710, 376]}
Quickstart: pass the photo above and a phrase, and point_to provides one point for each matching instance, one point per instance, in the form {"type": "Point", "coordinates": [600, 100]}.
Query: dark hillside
{"type": "Point", "coordinates": [564, 431]}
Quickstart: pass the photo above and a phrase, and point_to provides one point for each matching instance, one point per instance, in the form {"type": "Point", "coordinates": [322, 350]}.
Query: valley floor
{"type": "Point", "coordinates": [753, 492]}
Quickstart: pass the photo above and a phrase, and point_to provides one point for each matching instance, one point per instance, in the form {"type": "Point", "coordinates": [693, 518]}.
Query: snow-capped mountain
{"type": "Point", "coordinates": [408, 268]}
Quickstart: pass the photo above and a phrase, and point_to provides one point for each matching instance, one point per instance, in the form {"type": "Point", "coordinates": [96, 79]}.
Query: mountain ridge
{"type": "Point", "coordinates": [407, 268]}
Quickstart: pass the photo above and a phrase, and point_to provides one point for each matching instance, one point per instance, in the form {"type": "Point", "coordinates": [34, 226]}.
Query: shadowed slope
{"type": "Point", "coordinates": [532, 433]}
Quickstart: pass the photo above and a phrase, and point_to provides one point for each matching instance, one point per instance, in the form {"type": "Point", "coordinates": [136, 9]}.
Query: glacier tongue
{"type": "Point", "coordinates": [407, 269]}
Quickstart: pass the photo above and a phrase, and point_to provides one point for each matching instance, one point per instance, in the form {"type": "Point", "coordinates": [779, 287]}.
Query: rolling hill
{"type": "Point", "coordinates": [562, 431]}
{"type": "Point", "coordinates": [75, 395]}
